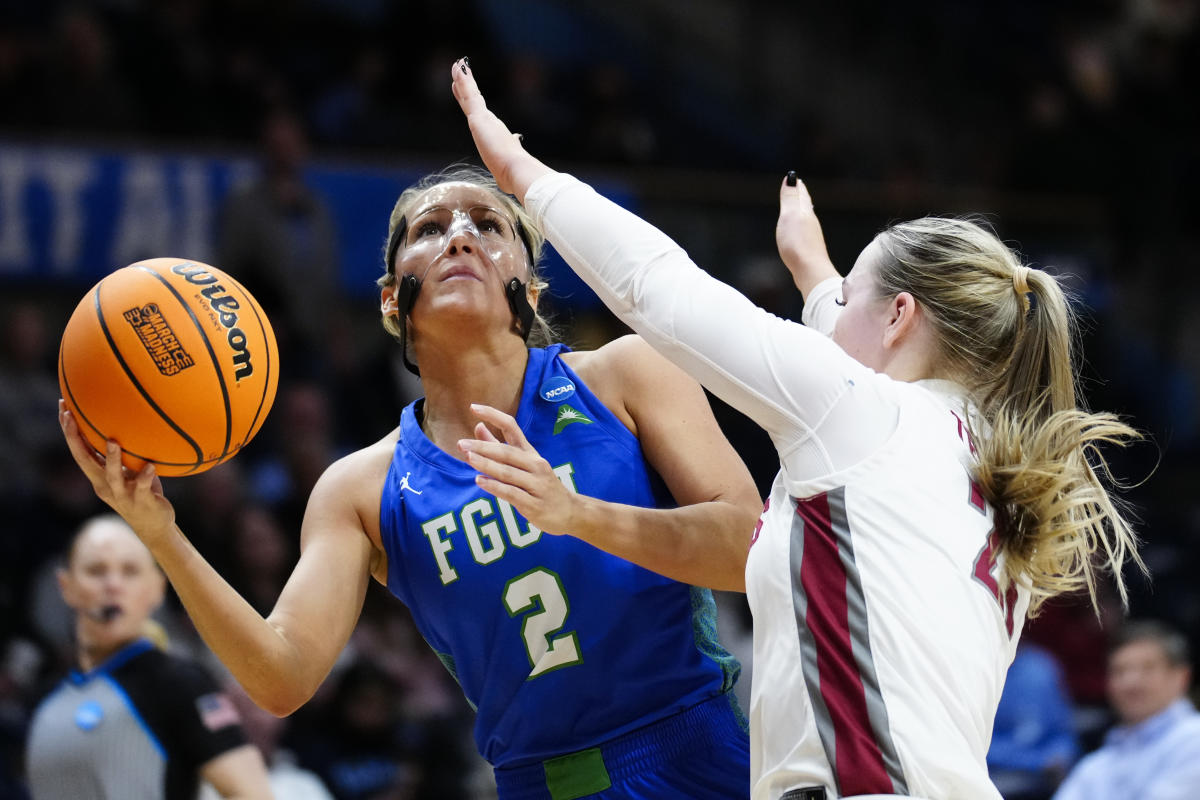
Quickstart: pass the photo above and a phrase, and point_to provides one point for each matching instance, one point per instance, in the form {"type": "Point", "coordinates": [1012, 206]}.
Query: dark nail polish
{"type": "Point", "coordinates": [791, 177]}
{"type": "Point", "coordinates": [466, 62]}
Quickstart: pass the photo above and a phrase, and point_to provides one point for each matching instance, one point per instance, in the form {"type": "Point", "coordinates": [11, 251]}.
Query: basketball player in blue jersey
{"type": "Point", "coordinates": [592, 677]}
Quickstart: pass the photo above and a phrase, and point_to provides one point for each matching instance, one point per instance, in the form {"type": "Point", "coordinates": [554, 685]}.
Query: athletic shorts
{"type": "Point", "coordinates": [703, 752]}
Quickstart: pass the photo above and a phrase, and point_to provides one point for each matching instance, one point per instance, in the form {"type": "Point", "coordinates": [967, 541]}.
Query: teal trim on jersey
{"type": "Point", "coordinates": [704, 627]}
{"type": "Point", "coordinates": [576, 775]}
{"type": "Point", "coordinates": [448, 662]}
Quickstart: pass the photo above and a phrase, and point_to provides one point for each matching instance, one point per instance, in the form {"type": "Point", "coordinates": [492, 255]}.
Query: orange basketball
{"type": "Point", "coordinates": [172, 358]}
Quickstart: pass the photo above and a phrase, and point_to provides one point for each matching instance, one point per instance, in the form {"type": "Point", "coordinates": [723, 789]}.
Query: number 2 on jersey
{"type": "Point", "coordinates": [985, 564]}
{"type": "Point", "coordinates": [542, 591]}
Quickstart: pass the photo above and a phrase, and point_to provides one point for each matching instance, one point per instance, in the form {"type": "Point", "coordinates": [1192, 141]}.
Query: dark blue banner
{"type": "Point", "coordinates": [73, 214]}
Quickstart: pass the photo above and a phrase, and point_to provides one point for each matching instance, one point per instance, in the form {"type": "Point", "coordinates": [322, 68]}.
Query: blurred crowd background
{"type": "Point", "coordinates": [270, 137]}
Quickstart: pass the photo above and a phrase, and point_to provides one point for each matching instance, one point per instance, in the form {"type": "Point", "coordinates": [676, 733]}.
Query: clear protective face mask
{"type": "Point", "coordinates": [436, 227]}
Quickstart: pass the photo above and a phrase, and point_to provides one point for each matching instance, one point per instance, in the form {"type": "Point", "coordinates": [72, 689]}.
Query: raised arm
{"type": "Point", "coordinates": [705, 540]}
{"type": "Point", "coordinates": [799, 237]}
{"type": "Point", "coordinates": [794, 382]}
{"type": "Point", "coordinates": [280, 660]}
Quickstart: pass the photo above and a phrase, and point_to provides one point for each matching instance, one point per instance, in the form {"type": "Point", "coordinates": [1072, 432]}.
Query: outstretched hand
{"type": "Point", "coordinates": [515, 472]}
{"type": "Point", "coordinates": [799, 238]}
{"type": "Point", "coordinates": [136, 496]}
{"type": "Point", "coordinates": [501, 150]}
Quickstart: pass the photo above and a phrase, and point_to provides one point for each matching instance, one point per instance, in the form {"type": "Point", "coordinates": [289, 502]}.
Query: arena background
{"type": "Point", "coordinates": [270, 138]}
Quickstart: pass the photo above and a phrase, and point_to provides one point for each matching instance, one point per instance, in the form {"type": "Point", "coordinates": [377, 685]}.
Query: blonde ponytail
{"type": "Point", "coordinates": [1006, 333]}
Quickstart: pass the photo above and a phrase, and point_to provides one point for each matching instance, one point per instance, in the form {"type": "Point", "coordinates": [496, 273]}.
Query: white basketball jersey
{"type": "Point", "coordinates": [881, 639]}
{"type": "Point", "coordinates": [881, 635]}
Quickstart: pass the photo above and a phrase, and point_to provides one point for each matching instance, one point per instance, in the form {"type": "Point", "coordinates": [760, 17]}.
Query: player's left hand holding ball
{"type": "Point", "coordinates": [136, 497]}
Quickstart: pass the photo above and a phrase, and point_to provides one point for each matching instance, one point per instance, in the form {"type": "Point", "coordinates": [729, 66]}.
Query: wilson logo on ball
{"type": "Point", "coordinates": [225, 307]}
{"type": "Point", "coordinates": [159, 340]}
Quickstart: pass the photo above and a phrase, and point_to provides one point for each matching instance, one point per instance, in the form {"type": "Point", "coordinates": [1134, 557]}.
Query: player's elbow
{"type": "Point", "coordinates": [281, 703]}
{"type": "Point", "coordinates": [281, 696]}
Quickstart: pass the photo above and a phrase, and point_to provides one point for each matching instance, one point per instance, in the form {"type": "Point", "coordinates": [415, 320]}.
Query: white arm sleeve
{"type": "Point", "coordinates": [820, 312]}
{"type": "Point", "coordinates": [823, 410]}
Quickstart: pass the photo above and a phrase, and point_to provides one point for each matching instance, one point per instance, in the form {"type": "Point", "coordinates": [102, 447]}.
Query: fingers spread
{"type": "Point", "coordinates": [484, 433]}
{"type": "Point", "coordinates": [147, 479]}
{"type": "Point", "coordinates": [112, 465]}
{"type": "Point", "coordinates": [91, 462]}
{"type": "Point", "coordinates": [502, 422]}
{"type": "Point", "coordinates": [499, 468]}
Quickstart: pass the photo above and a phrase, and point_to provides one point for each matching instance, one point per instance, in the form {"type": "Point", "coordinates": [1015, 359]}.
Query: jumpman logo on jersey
{"type": "Point", "coordinates": [405, 485]}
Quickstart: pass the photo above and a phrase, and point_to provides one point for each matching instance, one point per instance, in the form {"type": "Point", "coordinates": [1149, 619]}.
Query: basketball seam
{"type": "Point", "coordinates": [211, 353]}
{"type": "Point", "coordinates": [136, 383]}
{"type": "Point", "coordinates": [267, 379]}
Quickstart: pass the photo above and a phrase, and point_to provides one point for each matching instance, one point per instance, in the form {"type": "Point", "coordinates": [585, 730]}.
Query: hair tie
{"type": "Point", "coordinates": [1020, 279]}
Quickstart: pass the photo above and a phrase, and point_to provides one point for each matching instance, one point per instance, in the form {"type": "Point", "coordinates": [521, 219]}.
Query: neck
{"type": "Point", "coordinates": [92, 653]}
{"type": "Point", "coordinates": [453, 381]}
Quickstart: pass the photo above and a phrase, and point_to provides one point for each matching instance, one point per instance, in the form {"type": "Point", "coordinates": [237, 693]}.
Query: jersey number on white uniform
{"type": "Point", "coordinates": [986, 567]}
{"type": "Point", "coordinates": [541, 590]}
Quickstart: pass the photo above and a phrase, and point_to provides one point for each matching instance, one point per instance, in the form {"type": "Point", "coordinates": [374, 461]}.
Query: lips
{"type": "Point", "coordinates": [105, 613]}
{"type": "Point", "coordinates": [458, 271]}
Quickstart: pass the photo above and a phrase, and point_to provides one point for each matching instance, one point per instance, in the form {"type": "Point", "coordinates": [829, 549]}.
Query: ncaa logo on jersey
{"type": "Point", "coordinates": [557, 389]}
{"type": "Point", "coordinates": [88, 715]}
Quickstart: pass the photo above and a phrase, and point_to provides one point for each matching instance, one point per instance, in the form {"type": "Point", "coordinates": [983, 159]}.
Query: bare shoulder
{"type": "Point", "coordinates": [355, 483]}
{"type": "Point", "coordinates": [626, 374]}
{"type": "Point", "coordinates": [621, 360]}
{"type": "Point", "coordinates": [353, 470]}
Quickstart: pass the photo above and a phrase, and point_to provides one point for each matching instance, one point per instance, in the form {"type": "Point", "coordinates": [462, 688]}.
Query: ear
{"type": "Point", "coordinates": [533, 293]}
{"type": "Point", "coordinates": [387, 300]}
{"type": "Point", "coordinates": [1183, 680]}
{"type": "Point", "coordinates": [904, 314]}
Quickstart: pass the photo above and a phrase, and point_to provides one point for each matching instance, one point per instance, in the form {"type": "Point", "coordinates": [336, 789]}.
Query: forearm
{"type": "Point", "coordinates": [703, 544]}
{"type": "Point", "coordinates": [778, 373]}
{"type": "Point", "coordinates": [255, 652]}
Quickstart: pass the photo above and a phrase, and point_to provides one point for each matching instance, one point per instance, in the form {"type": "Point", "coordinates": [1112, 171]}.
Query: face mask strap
{"type": "Point", "coordinates": [406, 295]}
{"type": "Point", "coordinates": [394, 245]}
{"type": "Point", "coordinates": [518, 301]}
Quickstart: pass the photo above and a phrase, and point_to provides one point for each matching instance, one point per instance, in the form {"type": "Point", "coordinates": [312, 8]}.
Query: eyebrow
{"type": "Point", "coordinates": [469, 209]}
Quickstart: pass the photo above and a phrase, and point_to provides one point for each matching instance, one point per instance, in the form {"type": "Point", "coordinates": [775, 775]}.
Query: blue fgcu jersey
{"type": "Point", "coordinates": [557, 645]}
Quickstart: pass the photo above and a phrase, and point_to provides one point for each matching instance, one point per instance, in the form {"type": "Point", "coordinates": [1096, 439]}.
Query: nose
{"type": "Point", "coordinates": [461, 239]}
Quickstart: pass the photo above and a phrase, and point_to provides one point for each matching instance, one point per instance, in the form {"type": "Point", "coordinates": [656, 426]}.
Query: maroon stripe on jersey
{"type": "Point", "coordinates": [825, 583]}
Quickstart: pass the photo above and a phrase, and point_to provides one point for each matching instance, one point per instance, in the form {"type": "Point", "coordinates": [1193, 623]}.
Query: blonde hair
{"type": "Point", "coordinates": [1006, 332]}
{"type": "Point", "coordinates": [541, 333]}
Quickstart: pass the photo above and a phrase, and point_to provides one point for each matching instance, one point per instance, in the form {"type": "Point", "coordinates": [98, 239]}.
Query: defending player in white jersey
{"type": "Point", "coordinates": [937, 480]}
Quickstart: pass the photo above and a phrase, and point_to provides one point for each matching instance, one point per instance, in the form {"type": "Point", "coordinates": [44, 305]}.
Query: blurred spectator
{"type": "Point", "coordinates": [277, 237]}
{"type": "Point", "coordinates": [1153, 753]}
{"type": "Point", "coordinates": [28, 392]}
{"type": "Point", "coordinates": [1068, 629]}
{"type": "Point", "coordinates": [83, 90]}
{"type": "Point", "coordinates": [364, 748]}
{"type": "Point", "coordinates": [20, 663]}
{"type": "Point", "coordinates": [1033, 738]}
{"type": "Point", "coordinates": [261, 557]}
{"type": "Point", "coordinates": [300, 432]}
{"type": "Point", "coordinates": [265, 731]}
